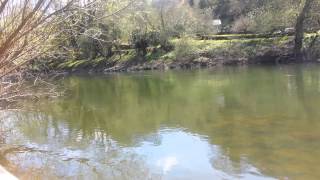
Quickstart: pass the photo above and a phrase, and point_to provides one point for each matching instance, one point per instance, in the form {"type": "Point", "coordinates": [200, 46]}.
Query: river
{"type": "Point", "coordinates": [226, 123]}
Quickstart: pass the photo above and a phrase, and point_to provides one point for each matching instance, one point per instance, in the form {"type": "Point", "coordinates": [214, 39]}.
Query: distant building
{"type": "Point", "coordinates": [216, 22]}
{"type": "Point", "coordinates": [217, 25]}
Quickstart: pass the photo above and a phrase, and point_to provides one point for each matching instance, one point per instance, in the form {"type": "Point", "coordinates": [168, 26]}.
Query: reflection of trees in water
{"type": "Point", "coordinates": [7, 130]}
{"type": "Point", "coordinates": [6, 127]}
{"type": "Point", "coordinates": [307, 88]}
{"type": "Point", "coordinates": [262, 113]}
{"type": "Point", "coordinates": [50, 149]}
{"type": "Point", "coordinates": [270, 123]}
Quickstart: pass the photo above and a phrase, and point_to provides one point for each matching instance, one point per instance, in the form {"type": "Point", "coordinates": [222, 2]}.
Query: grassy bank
{"type": "Point", "coordinates": [192, 52]}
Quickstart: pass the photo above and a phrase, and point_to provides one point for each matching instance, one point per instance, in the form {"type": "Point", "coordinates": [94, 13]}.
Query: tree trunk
{"type": "Point", "coordinates": [300, 29]}
{"type": "Point", "coordinates": [162, 18]}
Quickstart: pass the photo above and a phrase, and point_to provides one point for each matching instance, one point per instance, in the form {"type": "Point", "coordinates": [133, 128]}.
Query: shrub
{"type": "Point", "coordinates": [183, 48]}
{"type": "Point", "coordinates": [241, 25]}
{"type": "Point", "coordinates": [142, 40]}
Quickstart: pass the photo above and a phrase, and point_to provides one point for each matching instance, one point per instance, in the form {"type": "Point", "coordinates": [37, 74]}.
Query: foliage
{"type": "Point", "coordinates": [142, 40]}
{"type": "Point", "coordinates": [184, 48]}
{"type": "Point", "coordinates": [99, 29]}
{"type": "Point", "coordinates": [270, 19]}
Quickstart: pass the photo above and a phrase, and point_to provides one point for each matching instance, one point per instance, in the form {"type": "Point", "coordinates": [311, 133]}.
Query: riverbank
{"type": "Point", "coordinates": [192, 53]}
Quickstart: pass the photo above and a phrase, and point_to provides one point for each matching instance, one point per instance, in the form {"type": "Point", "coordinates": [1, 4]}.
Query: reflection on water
{"type": "Point", "coordinates": [250, 123]}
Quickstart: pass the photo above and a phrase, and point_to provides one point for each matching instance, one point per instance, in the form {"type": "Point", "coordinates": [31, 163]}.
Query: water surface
{"type": "Point", "coordinates": [230, 123]}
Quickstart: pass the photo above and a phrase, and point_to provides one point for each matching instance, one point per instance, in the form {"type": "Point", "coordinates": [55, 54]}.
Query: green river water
{"type": "Point", "coordinates": [228, 123]}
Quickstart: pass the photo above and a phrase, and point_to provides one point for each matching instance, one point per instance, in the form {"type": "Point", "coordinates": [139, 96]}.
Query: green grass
{"type": "Point", "coordinates": [212, 44]}
{"type": "Point", "coordinates": [191, 47]}
{"type": "Point", "coordinates": [74, 64]}
{"type": "Point", "coordinates": [235, 47]}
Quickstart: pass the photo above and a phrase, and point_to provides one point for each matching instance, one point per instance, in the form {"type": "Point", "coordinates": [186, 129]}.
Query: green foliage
{"type": "Point", "coordinates": [269, 20]}
{"type": "Point", "coordinates": [161, 29]}
{"type": "Point", "coordinates": [253, 15]}
{"type": "Point", "coordinates": [312, 45]}
{"type": "Point", "coordinates": [189, 48]}
{"type": "Point", "coordinates": [184, 48]}
{"type": "Point", "coordinates": [142, 40]}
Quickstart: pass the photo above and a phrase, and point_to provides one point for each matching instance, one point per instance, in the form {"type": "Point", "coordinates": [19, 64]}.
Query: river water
{"type": "Point", "coordinates": [228, 123]}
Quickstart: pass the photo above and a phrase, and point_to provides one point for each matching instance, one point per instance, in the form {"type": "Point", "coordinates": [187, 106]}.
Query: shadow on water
{"type": "Point", "coordinates": [253, 123]}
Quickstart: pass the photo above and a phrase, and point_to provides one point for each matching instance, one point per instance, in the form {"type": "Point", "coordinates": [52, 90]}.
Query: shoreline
{"type": "Point", "coordinates": [159, 65]}
{"type": "Point", "coordinates": [190, 53]}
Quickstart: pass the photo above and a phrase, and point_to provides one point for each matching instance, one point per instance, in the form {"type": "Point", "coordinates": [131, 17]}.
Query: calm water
{"type": "Point", "coordinates": [232, 123]}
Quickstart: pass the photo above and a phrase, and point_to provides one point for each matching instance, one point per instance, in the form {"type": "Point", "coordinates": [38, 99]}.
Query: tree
{"type": "Point", "coordinates": [25, 27]}
{"type": "Point", "coordinates": [93, 29]}
{"type": "Point", "coordinates": [300, 28]}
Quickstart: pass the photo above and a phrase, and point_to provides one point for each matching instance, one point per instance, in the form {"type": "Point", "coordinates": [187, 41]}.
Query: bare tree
{"type": "Point", "coordinates": [25, 26]}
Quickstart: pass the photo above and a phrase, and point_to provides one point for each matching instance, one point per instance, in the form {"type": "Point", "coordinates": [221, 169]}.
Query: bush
{"type": "Point", "coordinates": [312, 46]}
{"type": "Point", "coordinates": [183, 48]}
{"type": "Point", "coordinates": [141, 41]}
{"type": "Point", "coordinates": [241, 25]}
{"type": "Point", "coordinates": [87, 47]}
{"type": "Point", "coordinates": [269, 20]}
{"type": "Point", "coordinates": [97, 41]}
